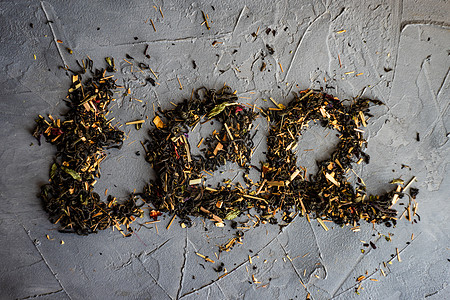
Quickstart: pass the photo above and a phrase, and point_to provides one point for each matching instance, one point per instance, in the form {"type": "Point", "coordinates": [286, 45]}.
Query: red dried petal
{"type": "Point", "coordinates": [155, 214]}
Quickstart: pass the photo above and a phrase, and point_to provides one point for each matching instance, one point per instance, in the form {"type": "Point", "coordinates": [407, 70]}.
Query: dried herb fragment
{"type": "Point", "coordinates": [71, 172]}
{"type": "Point", "coordinates": [232, 215]}
{"type": "Point", "coordinates": [413, 192]}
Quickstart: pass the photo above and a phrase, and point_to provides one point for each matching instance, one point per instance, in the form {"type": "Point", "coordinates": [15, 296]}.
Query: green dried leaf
{"type": "Point", "coordinates": [218, 109]}
{"type": "Point", "coordinates": [53, 170]}
{"type": "Point", "coordinates": [232, 215]}
{"type": "Point", "coordinates": [397, 181]}
{"type": "Point", "coordinates": [109, 60]}
{"type": "Point", "coordinates": [72, 173]}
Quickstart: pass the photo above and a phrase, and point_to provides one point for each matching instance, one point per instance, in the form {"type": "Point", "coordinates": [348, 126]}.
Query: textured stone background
{"type": "Point", "coordinates": [401, 47]}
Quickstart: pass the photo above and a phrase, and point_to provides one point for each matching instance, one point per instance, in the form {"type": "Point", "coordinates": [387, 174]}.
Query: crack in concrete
{"type": "Point", "coordinates": [32, 264]}
{"type": "Point", "coordinates": [371, 274]}
{"type": "Point", "coordinates": [355, 285]}
{"type": "Point", "coordinates": [442, 84]}
{"type": "Point", "coordinates": [49, 22]}
{"type": "Point", "coordinates": [187, 39]}
{"type": "Point", "coordinates": [158, 247]}
{"type": "Point", "coordinates": [300, 42]}
{"type": "Point", "coordinates": [209, 294]}
{"type": "Point", "coordinates": [183, 266]}
{"type": "Point", "coordinates": [253, 256]}
{"type": "Point", "coordinates": [138, 258]}
{"type": "Point", "coordinates": [404, 248]}
{"type": "Point", "coordinates": [45, 261]}
{"type": "Point", "coordinates": [295, 269]}
{"type": "Point", "coordinates": [220, 288]}
{"type": "Point", "coordinates": [435, 292]}
{"type": "Point", "coordinates": [234, 269]}
{"type": "Point", "coordinates": [125, 264]}
{"type": "Point", "coordinates": [349, 273]}
{"type": "Point", "coordinates": [132, 255]}
{"type": "Point", "coordinates": [238, 172]}
{"type": "Point", "coordinates": [317, 243]}
{"type": "Point", "coordinates": [373, 67]}
{"type": "Point", "coordinates": [398, 34]}
{"type": "Point", "coordinates": [439, 120]}
{"type": "Point", "coordinates": [259, 143]}
{"type": "Point", "coordinates": [238, 19]}
{"type": "Point", "coordinates": [156, 281]}
{"type": "Point", "coordinates": [41, 295]}
{"type": "Point", "coordinates": [338, 15]}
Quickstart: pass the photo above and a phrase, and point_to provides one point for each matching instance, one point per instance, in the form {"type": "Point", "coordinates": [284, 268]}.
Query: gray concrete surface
{"type": "Point", "coordinates": [401, 51]}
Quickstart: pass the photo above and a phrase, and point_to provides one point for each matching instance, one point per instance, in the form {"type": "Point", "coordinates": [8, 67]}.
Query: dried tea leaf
{"type": "Point", "coordinates": [218, 148]}
{"type": "Point", "coordinates": [109, 61]}
{"type": "Point", "coordinates": [397, 181]}
{"type": "Point", "coordinates": [72, 173]}
{"type": "Point", "coordinates": [232, 215]}
{"type": "Point", "coordinates": [53, 170]}
{"type": "Point", "coordinates": [218, 109]}
{"type": "Point", "coordinates": [158, 122]}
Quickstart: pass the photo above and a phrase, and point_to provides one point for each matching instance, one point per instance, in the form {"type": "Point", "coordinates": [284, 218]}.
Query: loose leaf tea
{"type": "Point", "coordinates": [179, 174]}
{"type": "Point", "coordinates": [81, 139]}
{"type": "Point", "coordinates": [179, 185]}
{"type": "Point", "coordinates": [326, 195]}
